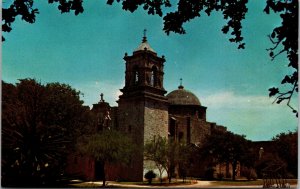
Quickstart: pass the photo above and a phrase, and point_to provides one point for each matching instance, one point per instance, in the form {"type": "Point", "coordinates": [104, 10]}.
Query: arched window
{"type": "Point", "coordinates": [153, 80]}
{"type": "Point", "coordinates": [135, 75]}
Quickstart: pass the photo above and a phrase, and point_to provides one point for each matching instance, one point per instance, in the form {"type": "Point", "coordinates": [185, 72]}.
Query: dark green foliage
{"type": "Point", "coordinates": [166, 154]}
{"type": "Point", "coordinates": [268, 160]}
{"type": "Point", "coordinates": [233, 11]}
{"type": "Point", "coordinates": [153, 7]}
{"type": "Point", "coordinates": [149, 176]}
{"type": "Point", "coordinates": [249, 173]}
{"type": "Point", "coordinates": [285, 40]}
{"type": "Point", "coordinates": [27, 11]}
{"type": "Point", "coordinates": [39, 125]}
{"type": "Point", "coordinates": [186, 153]}
{"type": "Point", "coordinates": [156, 150]}
{"type": "Point", "coordinates": [23, 8]}
{"type": "Point", "coordinates": [226, 147]}
{"type": "Point", "coordinates": [287, 149]}
{"type": "Point", "coordinates": [108, 146]}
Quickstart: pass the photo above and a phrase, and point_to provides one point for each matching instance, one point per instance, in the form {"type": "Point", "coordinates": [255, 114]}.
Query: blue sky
{"type": "Point", "coordinates": [87, 51]}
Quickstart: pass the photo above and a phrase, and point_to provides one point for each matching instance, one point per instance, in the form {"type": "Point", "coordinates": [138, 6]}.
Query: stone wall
{"type": "Point", "coordinates": [155, 124]}
{"type": "Point", "coordinates": [199, 130]}
{"type": "Point", "coordinates": [131, 120]}
{"type": "Point", "coordinates": [155, 120]}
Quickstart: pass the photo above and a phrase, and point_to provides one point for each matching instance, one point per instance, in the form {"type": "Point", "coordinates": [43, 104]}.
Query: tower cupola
{"type": "Point", "coordinates": [144, 70]}
{"type": "Point", "coordinates": [144, 46]}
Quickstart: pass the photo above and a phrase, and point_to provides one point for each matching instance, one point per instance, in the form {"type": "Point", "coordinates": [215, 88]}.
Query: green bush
{"type": "Point", "coordinates": [149, 176]}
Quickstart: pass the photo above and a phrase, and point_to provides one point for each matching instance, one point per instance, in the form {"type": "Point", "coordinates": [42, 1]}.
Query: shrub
{"type": "Point", "coordinates": [149, 176]}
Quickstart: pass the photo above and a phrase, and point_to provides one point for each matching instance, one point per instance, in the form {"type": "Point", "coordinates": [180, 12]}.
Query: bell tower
{"type": "Point", "coordinates": [144, 71]}
{"type": "Point", "coordinates": [143, 107]}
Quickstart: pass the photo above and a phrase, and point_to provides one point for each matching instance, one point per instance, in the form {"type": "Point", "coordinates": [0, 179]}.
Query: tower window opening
{"type": "Point", "coordinates": [136, 76]}
{"type": "Point", "coordinates": [153, 81]}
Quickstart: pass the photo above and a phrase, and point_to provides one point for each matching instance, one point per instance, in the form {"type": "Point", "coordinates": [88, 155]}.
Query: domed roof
{"type": "Point", "coordinates": [183, 97]}
{"type": "Point", "coordinates": [144, 45]}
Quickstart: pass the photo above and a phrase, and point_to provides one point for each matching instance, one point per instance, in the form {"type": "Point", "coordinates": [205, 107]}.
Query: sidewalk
{"type": "Point", "coordinates": [198, 184]}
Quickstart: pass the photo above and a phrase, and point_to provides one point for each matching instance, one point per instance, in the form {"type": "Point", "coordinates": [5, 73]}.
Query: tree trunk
{"type": "Point", "coordinates": [169, 175]}
{"type": "Point", "coordinates": [104, 178]}
{"type": "Point", "coordinates": [234, 163]}
{"type": "Point", "coordinates": [227, 169]}
{"type": "Point", "coordinates": [160, 176]}
{"type": "Point", "coordinates": [161, 170]}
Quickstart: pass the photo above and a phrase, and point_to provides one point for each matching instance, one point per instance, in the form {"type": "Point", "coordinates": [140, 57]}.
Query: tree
{"type": "Point", "coordinates": [166, 154]}
{"type": "Point", "coordinates": [284, 37]}
{"type": "Point", "coordinates": [25, 9]}
{"type": "Point", "coordinates": [184, 155]}
{"type": "Point", "coordinates": [39, 123]}
{"type": "Point", "coordinates": [285, 40]}
{"type": "Point", "coordinates": [156, 150]}
{"type": "Point", "coordinates": [226, 147]}
{"type": "Point", "coordinates": [287, 149]}
{"type": "Point", "coordinates": [107, 146]}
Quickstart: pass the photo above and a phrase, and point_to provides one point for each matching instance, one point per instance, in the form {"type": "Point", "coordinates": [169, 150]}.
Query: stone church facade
{"type": "Point", "coordinates": [145, 110]}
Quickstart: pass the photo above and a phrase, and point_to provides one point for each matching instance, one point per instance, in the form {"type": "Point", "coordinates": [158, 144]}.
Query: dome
{"type": "Point", "coordinates": [183, 97]}
{"type": "Point", "coordinates": [144, 45]}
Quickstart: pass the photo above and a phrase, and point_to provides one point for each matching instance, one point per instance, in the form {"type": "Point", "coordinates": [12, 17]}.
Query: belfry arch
{"type": "Point", "coordinates": [153, 81]}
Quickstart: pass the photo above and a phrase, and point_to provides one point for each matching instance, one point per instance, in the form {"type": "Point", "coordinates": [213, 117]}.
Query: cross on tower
{"type": "Point", "coordinates": [145, 37]}
{"type": "Point", "coordinates": [101, 97]}
{"type": "Point", "coordinates": [180, 86]}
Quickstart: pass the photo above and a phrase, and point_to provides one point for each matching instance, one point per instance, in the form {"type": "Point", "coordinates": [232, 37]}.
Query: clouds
{"type": "Point", "coordinates": [252, 115]}
{"type": "Point", "coordinates": [92, 90]}
{"type": "Point", "coordinates": [230, 99]}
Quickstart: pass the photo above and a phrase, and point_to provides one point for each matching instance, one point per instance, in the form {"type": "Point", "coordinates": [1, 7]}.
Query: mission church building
{"type": "Point", "coordinates": [146, 110]}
